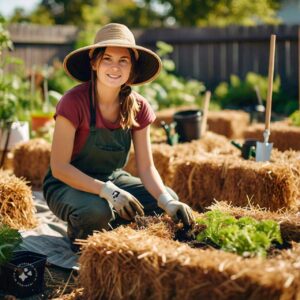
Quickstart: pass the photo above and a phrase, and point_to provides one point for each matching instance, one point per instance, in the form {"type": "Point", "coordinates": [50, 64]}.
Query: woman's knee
{"type": "Point", "coordinates": [92, 218]}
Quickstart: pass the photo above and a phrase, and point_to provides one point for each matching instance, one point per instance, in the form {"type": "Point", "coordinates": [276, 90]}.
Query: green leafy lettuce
{"type": "Point", "coordinates": [245, 236]}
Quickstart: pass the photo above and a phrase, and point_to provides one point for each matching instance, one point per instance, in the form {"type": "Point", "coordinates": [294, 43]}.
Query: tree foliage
{"type": "Point", "coordinates": [152, 13]}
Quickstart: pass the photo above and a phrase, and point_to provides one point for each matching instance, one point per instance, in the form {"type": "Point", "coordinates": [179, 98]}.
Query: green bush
{"type": "Point", "coordinates": [14, 88]}
{"type": "Point", "coordinates": [169, 90]}
{"type": "Point", "coordinates": [240, 93]}
{"type": "Point", "coordinates": [58, 80]}
{"type": "Point", "coordinates": [295, 118]}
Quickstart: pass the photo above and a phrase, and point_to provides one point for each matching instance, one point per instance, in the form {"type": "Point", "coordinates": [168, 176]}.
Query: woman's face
{"type": "Point", "coordinates": [113, 68]}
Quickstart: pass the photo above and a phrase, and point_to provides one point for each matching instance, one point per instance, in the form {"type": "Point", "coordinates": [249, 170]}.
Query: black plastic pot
{"type": "Point", "coordinates": [188, 125]}
{"type": "Point", "coordinates": [23, 276]}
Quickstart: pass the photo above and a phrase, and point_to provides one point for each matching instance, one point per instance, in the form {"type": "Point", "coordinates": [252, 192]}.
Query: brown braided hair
{"type": "Point", "coordinates": [129, 106]}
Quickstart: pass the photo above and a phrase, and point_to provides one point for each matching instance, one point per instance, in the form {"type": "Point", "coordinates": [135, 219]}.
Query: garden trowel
{"type": "Point", "coordinates": [263, 149]}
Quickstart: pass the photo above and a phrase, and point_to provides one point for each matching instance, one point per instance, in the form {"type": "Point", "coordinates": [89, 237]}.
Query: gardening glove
{"type": "Point", "coordinates": [125, 204]}
{"type": "Point", "coordinates": [176, 209]}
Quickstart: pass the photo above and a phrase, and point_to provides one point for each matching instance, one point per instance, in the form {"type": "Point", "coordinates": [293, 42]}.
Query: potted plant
{"type": "Point", "coordinates": [13, 99]}
{"type": "Point", "coordinates": [43, 109]}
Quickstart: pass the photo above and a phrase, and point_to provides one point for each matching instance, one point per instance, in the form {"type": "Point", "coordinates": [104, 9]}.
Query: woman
{"type": "Point", "coordinates": [95, 123]}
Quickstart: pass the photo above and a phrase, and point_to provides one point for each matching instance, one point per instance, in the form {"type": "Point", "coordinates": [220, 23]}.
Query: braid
{"type": "Point", "coordinates": [128, 107]}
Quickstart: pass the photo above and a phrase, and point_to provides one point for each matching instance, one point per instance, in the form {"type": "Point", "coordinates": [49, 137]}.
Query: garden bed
{"type": "Point", "coordinates": [273, 185]}
{"type": "Point", "coordinates": [142, 264]}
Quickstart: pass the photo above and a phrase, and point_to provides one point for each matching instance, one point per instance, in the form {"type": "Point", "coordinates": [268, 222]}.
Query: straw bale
{"type": "Point", "coordinates": [32, 160]}
{"type": "Point", "coordinates": [129, 264]}
{"type": "Point", "coordinates": [166, 157]}
{"type": "Point", "coordinates": [283, 136]}
{"type": "Point", "coordinates": [230, 123]}
{"type": "Point", "coordinates": [289, 221]}
{"type": "Point", "coordinates": [16, 204]}
{"type": "Point", "coordinates": [273, 185]}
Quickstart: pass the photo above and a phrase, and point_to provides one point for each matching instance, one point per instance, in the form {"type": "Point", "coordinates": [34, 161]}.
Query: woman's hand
{"type": "Point", "coordinates": [125, 204]}
{"type": "Point", "coordinates": [175, 209]}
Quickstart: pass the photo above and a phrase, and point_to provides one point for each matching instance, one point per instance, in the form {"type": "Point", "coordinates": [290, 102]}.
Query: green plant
{"type": "Point", "coordinates": [241, 93]}
{"type": "Point", "coordinates": [168, 89]}
{"type": "Point", "coordinates": [58, 80]}
{"type": "Point", "coordinates": [14, 88]}
{"type": "Point", "coordinates": [295, 118]}
{"type": "Point", "coordinates": [245, 236]}
{"type": "Point", "coordinates": [9, 240]}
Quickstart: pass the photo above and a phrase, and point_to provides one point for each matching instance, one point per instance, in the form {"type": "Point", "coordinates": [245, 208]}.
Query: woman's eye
{"type": "Point", "coordinates": [107, 58]}
{"type": "Point", "coordinates": [124, 61]}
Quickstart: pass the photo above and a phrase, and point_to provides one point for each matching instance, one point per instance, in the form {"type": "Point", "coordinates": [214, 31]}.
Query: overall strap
{"type": "Point", "coordinates": [92, 106]}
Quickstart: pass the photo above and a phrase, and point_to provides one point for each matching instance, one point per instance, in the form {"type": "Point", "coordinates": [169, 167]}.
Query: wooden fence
{"type": "Point", "coordinates": [208, 54]}
{"type": "Point", "coordinates": [39, 45]}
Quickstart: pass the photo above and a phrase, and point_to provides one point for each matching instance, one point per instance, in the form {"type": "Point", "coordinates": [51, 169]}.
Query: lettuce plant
{"type": "Point", "coordinates": [245, 236]}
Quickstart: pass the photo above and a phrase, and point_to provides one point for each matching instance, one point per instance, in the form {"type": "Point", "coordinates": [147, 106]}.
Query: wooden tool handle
{"type": "Point", "coordinates": [270, 81]}
{"type": "Point", "coordinates": [205, 112]}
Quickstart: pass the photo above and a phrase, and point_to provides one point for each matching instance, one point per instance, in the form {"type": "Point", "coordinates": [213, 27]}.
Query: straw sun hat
{"type": "Point", "coordinates": [77, 63]}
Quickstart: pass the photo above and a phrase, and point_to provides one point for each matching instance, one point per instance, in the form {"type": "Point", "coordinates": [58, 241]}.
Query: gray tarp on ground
{"type": "Point", "coordinates": [49, 237]}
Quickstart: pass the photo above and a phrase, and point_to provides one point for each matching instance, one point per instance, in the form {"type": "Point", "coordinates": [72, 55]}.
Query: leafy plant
{"type": "Point", "coordinates": [168, 89]}
{"type": "Point", "coordinates": [241, 93]}
{"type": "Point", "coordinates": [14, 88]}
{"type": "Point", "coordinates": [58, 80]}
{"type": "Point", "coordinates": [9, 240]}
{"type": "Point", "coordinates": [295, 118]}
{"type": "Point", "coordinates": [245, 236]}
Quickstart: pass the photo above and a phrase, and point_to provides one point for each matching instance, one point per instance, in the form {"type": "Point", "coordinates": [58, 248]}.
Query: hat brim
{"type": "Point", "coordinates": [77, 63]}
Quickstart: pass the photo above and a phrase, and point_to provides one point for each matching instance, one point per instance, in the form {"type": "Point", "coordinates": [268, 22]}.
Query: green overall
{"type": "Point", "coordinates": [103, 156]}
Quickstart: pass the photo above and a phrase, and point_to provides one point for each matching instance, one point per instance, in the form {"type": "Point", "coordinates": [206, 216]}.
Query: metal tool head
{"type": "Point", "coordinates": [263, 151]}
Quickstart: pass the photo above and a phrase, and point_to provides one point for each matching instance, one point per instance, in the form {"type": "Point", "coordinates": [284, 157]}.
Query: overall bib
{"type": "Point", "coordinates": [103, 156]}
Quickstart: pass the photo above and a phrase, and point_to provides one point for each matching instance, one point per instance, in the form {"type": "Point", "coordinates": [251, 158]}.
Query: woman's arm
{"type": "Point", "coordinates": [152, 180]}
{"type": "Point", "coordinates": [144, 160]}
{"type": "Point", "coordinates": [61, 152]}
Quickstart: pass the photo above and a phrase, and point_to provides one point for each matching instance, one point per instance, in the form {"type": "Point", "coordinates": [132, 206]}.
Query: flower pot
{"type": "Point", "coordinates": [39, 120]}
{"type": "Point", "coordinates": [19, 132]}
{"type": "Point", "coordinates": [23, 276]}
{"type": "Point", "coordinates": [188, 124]}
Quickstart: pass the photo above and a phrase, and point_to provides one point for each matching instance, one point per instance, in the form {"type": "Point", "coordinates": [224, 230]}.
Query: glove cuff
{"type": "Point", "coordinates": [164, 199]}
{"type": "Point", "coordinates": [107, 189]}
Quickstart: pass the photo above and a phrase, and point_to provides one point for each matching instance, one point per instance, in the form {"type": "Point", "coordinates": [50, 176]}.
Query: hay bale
{"type": "Point", "coordinates": [273, 185]}
{"type": "Point", "coordinates": [32, 160]}
{"type": "Point", "coordinates": [283, 135]}
{"type": "Point", "coordinates": [231, 123]}
{"type": "Point", "coordinates": [129, 264]}
{"type": "Point", "coordinates": [289, 221]}
{"type": "Point", "coordinates": [166, 157]}
{"type": "Point", "coordinates": [16, 204]}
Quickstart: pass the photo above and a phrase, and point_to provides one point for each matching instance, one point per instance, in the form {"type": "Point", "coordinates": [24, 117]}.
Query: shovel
{"type": "Point", "coordinates": [205, 112]}
{"type": "Point", "coordinates": [263, 149]}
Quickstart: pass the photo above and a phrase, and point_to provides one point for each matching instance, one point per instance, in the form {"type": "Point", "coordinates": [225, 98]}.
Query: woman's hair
{"type": "Point", "coordinates": [129, 106]}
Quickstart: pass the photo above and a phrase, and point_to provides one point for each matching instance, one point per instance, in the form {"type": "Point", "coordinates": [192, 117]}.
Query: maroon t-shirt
{"type": "Point", "coordinates": [75, 106]}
